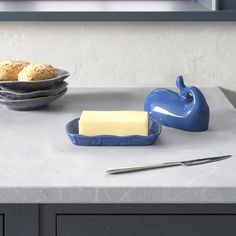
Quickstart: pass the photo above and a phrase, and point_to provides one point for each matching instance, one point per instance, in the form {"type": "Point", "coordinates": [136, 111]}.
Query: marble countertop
{"type": "Point", "coordinates": [40, 165]}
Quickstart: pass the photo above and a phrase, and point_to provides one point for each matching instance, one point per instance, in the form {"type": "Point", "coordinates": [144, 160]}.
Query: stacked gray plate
{"type": "Point", "coordinates": [26, 96]}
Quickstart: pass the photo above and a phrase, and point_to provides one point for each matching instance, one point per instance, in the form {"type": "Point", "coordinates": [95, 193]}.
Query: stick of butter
{"type": "Point", "coordinates": [119, 123]}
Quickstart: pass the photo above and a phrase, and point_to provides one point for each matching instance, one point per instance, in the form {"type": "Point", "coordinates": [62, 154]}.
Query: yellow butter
{"type": "Point", "coordinates": [119, 123]}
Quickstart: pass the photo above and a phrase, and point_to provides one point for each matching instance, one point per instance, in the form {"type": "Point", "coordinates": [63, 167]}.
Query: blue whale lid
{"type": "Point", "coordinates": [187, 110]}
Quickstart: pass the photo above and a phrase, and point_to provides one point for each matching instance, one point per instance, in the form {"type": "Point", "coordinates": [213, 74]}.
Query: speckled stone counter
{"type": "Point", "coordinates": [40, 165]}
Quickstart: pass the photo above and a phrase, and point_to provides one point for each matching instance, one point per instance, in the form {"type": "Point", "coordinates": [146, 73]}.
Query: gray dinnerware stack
{"type": "Point", "coordinates": [27, 96]}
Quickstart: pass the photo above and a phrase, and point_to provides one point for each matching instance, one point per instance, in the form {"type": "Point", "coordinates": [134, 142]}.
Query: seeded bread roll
{"type": "Point", "coordinates": [9, 70]}
{"type": "Point", "coordinates": [37, 71]}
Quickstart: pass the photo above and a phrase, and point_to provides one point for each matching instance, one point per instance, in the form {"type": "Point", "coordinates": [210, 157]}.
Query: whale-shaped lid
{"type": "Point", "coordinates": [187, 110]}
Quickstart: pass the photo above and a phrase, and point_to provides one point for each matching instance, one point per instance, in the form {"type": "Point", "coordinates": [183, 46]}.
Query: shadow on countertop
{"type": "Point", "coordinates": [231, 95]}
{"type": "Point", "coordinates": [96, 100]}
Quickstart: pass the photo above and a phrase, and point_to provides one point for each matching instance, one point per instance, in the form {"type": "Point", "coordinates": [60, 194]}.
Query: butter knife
{"type": "Point", "coordinates": [168, 164]}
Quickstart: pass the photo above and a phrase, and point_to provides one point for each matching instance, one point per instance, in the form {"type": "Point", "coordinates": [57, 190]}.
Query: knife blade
{"type": "Point", "coordinates": [168, 164]}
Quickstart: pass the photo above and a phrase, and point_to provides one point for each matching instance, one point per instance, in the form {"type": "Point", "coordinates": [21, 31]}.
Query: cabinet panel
{"type": "Point", "coordinates": [1, 225]}
{"type": "Point", "coordinates": [18, 220]}
{"type": "Point", "coordinates": [145, 225]}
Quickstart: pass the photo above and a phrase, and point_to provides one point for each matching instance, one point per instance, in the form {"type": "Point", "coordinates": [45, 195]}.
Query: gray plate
{"type": "Point", "coordinates": [31, 104]}
{"type": "Point", "coordinates": [35, 85]}
{"type": "Point", "coordinates": [7, 94]}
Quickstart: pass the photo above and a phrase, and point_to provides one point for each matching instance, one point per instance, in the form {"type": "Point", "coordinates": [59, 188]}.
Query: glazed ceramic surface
{"type": "Point", "coordinates": [35, 85]}
{"type": "Point", "coordinates": [7, 94]}
{"type": "Point", "coordinates": [187, 110]}
{"type": "Point", "coordinates": [72, 131]}
{"type": "Point", "coordinates": [31, 104]}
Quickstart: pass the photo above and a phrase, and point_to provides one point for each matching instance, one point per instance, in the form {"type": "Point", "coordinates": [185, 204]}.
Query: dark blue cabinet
{"type": "Point", "coordinates": [118, 220]}
{"type": "Point", "coordinates": [138, 220]}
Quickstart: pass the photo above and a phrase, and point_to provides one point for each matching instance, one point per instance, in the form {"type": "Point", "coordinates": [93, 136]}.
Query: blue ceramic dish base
{"type": "Point", "coordinates": [72, 131]}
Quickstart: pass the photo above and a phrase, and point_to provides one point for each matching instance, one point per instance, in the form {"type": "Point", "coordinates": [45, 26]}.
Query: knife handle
{"type": "Point", "coordinates": [141, 168]}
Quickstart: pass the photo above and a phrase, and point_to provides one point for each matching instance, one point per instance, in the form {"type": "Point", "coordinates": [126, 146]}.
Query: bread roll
{"type": "Point", "coordinates": [9, 70]}
{"type": "Point", "coordinates": [37, 72]}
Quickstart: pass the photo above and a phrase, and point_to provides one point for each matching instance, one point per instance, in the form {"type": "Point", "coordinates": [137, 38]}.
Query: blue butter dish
{"type": "Point", "coordinates": [72, 131]}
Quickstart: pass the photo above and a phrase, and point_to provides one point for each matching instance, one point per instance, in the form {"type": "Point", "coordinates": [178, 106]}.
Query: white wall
{"type": "Point", "coordinates": [128, 53]}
